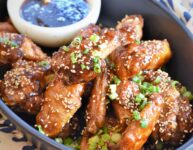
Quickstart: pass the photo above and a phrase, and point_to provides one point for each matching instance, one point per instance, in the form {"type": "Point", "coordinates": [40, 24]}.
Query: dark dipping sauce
{"type": "Point", "coordinates": [55, 13]}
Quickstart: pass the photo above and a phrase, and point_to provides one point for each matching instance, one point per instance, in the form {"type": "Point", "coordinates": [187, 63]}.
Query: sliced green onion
{"type": "Point", "coordinates": [157, 80]}
{"type": "Point", "coordinates": [113, 88]}
{"type": "Point", "coordinates": [115, 137]}
{"type": "Point", "coordinates": [68, 141]}
{"type": "Point", "coordinates": [113, 96]}
{"type": "Point", "coordinates": [136, 79]}
{"type": "Point", "coordinates": [104, 147]}
{"type": "Point", "coordinates": [92, 142]}
{"type": "Point", "coordinates": [73, 58]}
{"type": "Point", "coordinates": [144, 123]}
{"type": "Point", "coordinates": [137, 41]}
{"type": "Point", "coordinates": [65, 48]}
{"type": "Point", "coordinates": [86, 51]}
{"type": "Point", "coordinates": [139, 98]}
{"type": "Point", "coordinates": [96, 53]}
{"type": "Point", "coordinates": [96, 59]}
{"type": "Point", "coordinates": [144, 103]}
{"type": "Point", "coordinates": [183, 90]}
{"type": "Point", "coordinates": [105, 129]}
{"type": "Point", "coordinates": [116, 80]}
{"type": "Point", "coordinates": [59, 140]}
{"type": "Point", "coordinates": [156, 89]}
{"type": "Point", "coordinates": [136, 115]}
{"type": "Point", "coordinates": [6, 41]}
{"type": "Point", "coordinates": [83, 67]}
{"type": "Point", "coordinates": [44, 64]}
{"type": "Point", "coordinates": [188, 94]}
{"type": "Point", "coordinates": [174, 83]}
{"type": "Point", "coordinates": [105, 137]}
{"type": "Point", "coordinates": [97, 68]}
{"type": "Point", "coordinates": [76, 41]}
{"type": "Point", "coordinates": [40, 129]}
{"type": "Point", "coordinates": [94, 38]}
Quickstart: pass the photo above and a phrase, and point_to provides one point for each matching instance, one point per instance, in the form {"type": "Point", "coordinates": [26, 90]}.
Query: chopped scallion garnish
{"type": "Point", "coordinates": [73, 58]}
{"type": "Point", "coordinates": [115, 137]}
{"type": "Point", "coordinates": [136, 115]}
{"type": "Point", "coordinates": [59, 140]}
{"type": "Point", "coordinates": [76, 41]}
{"type": "Point", "coordinates": [139, 98]}
{"type": "Point", "coordinates": [83, 66]}
{"type": "Point", "coordinates": [65, 48]}
{"type": "Point", "coordinates": [94, 38]}
{"type": "Point", "coordinates": [137, 41]}
{"type": "Point", "coordinates": [97, 68]}
{"type": "Point", "coordinates": [86, 51]}
{"type": "Point", "coordinates": [40, 129]}
{"type": "Point", "coordinates": [144, 123]}
{"type": "Point", "coordinates": [44, 64]}
{"type": "Point", "coordinates": [157, 80]}
{"type": "Point", "coordinates": [116, 80]}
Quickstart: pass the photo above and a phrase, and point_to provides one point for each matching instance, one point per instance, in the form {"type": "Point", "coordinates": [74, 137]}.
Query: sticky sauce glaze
{"type": "Point", "coordinates": [55, 13]}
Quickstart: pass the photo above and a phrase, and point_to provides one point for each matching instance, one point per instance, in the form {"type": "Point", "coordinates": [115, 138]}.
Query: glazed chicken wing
{"type": "Point", "coordinates": [23, 85]}
{"type": "Point", "coordinates": [124, 105]}
{"type": "Point", "coordinates": [138, 57]}
{"type": "Point", "coordinates": [96, 109]}
{"type": "Point", "coordinates": [15, 46]}
{"type": "Point", "coordinates": [82, 60]}
{"type": "Point", "coordinates": [136, 134]}
{"type": "Point", "coordinates": [60, 104]}
{"type": "Point", "coordinates": [176, 118]}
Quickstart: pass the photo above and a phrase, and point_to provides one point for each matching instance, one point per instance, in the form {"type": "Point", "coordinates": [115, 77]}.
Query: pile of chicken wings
{"type": "Point", "coordinates": [129, 98]}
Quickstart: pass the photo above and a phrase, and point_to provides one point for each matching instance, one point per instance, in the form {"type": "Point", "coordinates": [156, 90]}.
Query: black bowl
{"type": "Point", "coordinates": [159, 24]}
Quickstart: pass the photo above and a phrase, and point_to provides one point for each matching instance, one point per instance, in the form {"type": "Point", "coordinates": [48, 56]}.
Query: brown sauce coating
{"type": "Point", "coordinates": [137, 57]}
{"type": "Point", "coordinates": [97, 42]}
{"type": "Point", "coordinates": [15, 46]}
{"type": "Point", "coordinates": [22, 86]}
{"type": "Point", "coordinates": [59, 105]}
{"type": "Point", "coordinates": [96, 109]}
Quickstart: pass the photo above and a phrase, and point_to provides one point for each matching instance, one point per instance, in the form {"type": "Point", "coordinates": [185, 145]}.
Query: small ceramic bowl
{"type": "Point", "coordinates": [54, 36]}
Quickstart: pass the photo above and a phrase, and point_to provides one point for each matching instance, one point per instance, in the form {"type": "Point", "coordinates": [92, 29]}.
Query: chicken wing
{"type": "Point", "coordinates": [176, 119]}
{"type": "Point", "coordinates": [15, 46]}
{"type": "Point", "coordinates": [136, 134]}
{"type": "Point", "coordinates": [138, 57]}
{"type": "Point", "coordinates": [23, 85]}
{"type": "Point", "coordinates": [96, 109]}
{"type": "Point", "coordinates": [125, 104]}
{"type": "Point", "coordinates": [60, 104]}
{"type": "Point", "coordinates": [82, 60]}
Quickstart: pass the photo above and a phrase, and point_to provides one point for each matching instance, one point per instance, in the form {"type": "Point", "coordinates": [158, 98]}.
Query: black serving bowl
{"type": "Point", "coordinates": [159, 24]}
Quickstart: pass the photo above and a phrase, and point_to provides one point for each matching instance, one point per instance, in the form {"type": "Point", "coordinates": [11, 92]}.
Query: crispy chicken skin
{"type": "Point", "coordinates": [23, 85]}
{"type": "Point", "coordinates": [60, 104]}
{"type": "Point", "coordinates": [124, 105]}
{"type": "Point", "coordinates": [82, 60]}
{"type": "Point", "coordinates": [135, 136]}
{"type": "Point", "coordinates": [137, 57]}
{"type": "Point", "coordinates": [96, 109]}
{"type": "Point", "coordinates": [15, 46]}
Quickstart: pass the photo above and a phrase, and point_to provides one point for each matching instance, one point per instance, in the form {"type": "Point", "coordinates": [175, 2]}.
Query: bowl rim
{"type": "Point", "coordinates": [16, 120]}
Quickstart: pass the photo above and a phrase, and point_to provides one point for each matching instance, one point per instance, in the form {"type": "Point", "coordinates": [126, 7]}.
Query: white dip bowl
{"type": "Point", "coordinates": [51, 36]}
